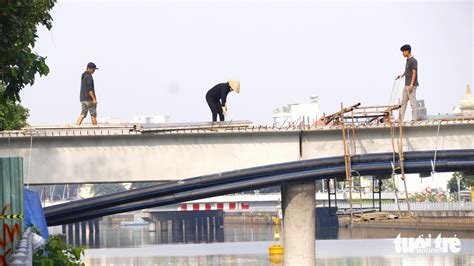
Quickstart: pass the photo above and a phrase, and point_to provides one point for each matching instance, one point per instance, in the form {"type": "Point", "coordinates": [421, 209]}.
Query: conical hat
{"type": "Point", "coordinates": [235, 85]}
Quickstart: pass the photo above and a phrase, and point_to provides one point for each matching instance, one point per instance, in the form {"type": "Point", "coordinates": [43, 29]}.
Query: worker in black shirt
{"type": "Point", "coordinates": [217, 98]}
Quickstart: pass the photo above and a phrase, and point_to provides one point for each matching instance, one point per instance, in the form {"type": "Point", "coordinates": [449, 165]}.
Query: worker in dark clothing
{"type": "Point", "coordinates": [217, 98]}
{"type": "Point", "coordinates": [87, 96]}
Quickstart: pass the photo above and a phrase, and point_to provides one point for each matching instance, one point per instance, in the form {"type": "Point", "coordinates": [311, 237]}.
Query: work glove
{"type": "Point", "coordinates": [224, 110]}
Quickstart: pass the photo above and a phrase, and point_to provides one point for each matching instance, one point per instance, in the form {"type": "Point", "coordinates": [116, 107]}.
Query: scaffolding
{"type": "Point", "coordinates": [349, 118]}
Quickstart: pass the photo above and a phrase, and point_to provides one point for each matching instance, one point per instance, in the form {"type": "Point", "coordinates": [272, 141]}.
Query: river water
{"type": "Point", "coordinates": [238, 244]}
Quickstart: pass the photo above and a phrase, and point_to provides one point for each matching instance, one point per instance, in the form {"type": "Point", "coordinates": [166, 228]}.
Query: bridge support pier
{"type": "Point", "coordinates": [298, 205]}
{"type": "Point", "coordinates": [164, 225]}
{"type": "Point", "coordinates": [77, 240]}
{"type": "Point", "coordinates": [84, 234]}
{"type": "Point", "coordinates": [91, 233]}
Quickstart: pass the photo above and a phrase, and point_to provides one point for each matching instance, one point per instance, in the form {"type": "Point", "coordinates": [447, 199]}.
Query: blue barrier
{"type": "Point", "coordinates": [34, 215]}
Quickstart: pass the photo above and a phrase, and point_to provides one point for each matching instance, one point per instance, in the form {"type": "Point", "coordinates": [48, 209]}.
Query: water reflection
{"type": "Point", "coordinates": [136, 236]}
{"type": "Point", "coordinates": [238, 244]}
{"type": "Point", "coordinates": [131, 236]}
{"type": "Point", "coordinates": [159, 258]}
{"type": "Point", "coordinates": [186, 260]}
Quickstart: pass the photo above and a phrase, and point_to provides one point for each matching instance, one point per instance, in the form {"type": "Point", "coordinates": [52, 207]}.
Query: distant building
{"type": "Point", "coordinates": [464, 110]}
{"type": "Point", "coordinates": [295, 114]}
{"type": "Point", "coordinates": [151, 119]}
{"type": "Point", "coordinates": [466, 107]}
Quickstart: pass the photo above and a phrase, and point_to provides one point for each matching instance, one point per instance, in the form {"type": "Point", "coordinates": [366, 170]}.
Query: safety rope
{"type": "Point", "coordinates": [394, 93]}
{"type": "Point", "coordinates": [347, 161]}
{"type": "Point", "coordinates": [393, 163]}
{"type": "Point", "coordinates": [433, 162]}
{"type": "Point", "coordinates": [402, 164]}
{"type": "Point", "coordinates": [353, 152]}
{"type": "Point", "coordinates": [29, 158]}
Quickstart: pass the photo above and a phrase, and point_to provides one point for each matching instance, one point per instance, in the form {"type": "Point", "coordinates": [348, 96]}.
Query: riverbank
{"type": "Point", "coordinates": [422, 220]}
{"type": "Point", "coordinates": [461, 223]}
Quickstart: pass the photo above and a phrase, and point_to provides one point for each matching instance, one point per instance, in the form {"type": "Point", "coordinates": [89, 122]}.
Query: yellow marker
{"type": "Point", "coordinates": [472, 193]}
{"type": "Point", "coordinates": [12, 216]}
{"type": "Point", "coordinates": [276, 249]}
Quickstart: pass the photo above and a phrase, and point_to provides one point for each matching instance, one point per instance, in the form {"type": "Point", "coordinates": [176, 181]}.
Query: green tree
{"type": "Point", "coordinates": [104, 189]}
{"type": "Point", "coordinates": [12, 114]}
{"type": "Point", "coordinates": [388, 185]}
{"type": "Point", "coordinates": [453, 182]}
{"type": "Point", "coordinates": [57, 252]}
{"type": "Point", "coordinates": [18, 33]}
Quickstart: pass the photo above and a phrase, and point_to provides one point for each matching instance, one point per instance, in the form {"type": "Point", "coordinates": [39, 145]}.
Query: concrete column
{"type": "Point", "coordinates": [152, 227]}
{"type": "Point", "coordinates": [177, 230]}
{"type": "Point", "coordinates": [84, 234]}
{"type": "Point", "coordinates": [213, 228]}
{"type": "Point", "coordinates": [70, 234]}
{"type": "Point", "coordinates": [77, 230]}
{"type": "Point", "coordinates": [185, 230]}
{"type": "Point", "coordinates": [298, 204]}
{"type": "Point", "coordinates": [190, 233]}
{"type": "Point", "coordinates": [91, 233]}
{"type": "Point", "coordinates": [196, 229]}
{"type": "Point", "coordinates": [170, 231]}
{"type": "Point", "coordinates": [164, 225]}
{"type": "Point", "coordinates": [97, 233]}
{"type": "Point", "coordinates": [199, 231]}
{"type": "Point", "coordinates": [207, 229]}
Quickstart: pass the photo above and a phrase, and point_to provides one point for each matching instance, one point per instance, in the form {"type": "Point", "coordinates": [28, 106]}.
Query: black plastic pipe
{"type": "Point", "coordinates": [373, 168]}
{"type": "Point", "coordinates": [120, 198]}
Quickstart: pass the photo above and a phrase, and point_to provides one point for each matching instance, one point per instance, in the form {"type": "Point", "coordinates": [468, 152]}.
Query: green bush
{"type": "Point", "coordinates": [57, 252]}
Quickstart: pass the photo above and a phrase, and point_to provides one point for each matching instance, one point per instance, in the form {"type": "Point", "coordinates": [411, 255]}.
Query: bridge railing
{"type": "Point", "coordinates": [416, 206]}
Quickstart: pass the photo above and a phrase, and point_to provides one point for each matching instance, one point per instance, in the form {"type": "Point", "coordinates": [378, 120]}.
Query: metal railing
{"type": "Point", "coordinates": [416, 206]}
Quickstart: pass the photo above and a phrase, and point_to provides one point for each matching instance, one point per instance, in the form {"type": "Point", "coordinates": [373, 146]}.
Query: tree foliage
{"type": "Point", "coordinates": [57, 252]}
{"type": "Point", "coordinates": [18, 32]}
{"type": "Point", "coordinates": [465, 182]}
{"type": "Point", "coordinates": [12, 114]}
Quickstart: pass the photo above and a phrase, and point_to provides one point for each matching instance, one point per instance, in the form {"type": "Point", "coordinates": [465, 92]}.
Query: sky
{"type": "Point", "coordinates": [161, 57]}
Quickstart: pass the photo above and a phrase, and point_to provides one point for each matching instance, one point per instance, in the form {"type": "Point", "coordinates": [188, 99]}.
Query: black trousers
{"type": "Point", "coordinates": [216, 108]}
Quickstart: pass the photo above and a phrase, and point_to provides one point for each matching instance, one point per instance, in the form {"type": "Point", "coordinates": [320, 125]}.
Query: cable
{"type": "Point", "coordinates": [433, 163]}
{"type": "Point", "coordinates": [29, 158]}
{"type": "Point", "coordinates": [9, 146]}
{"type": "Point", "coordinates": [392, 135]}
{"type": "Point", "coordinates": [394, 93]}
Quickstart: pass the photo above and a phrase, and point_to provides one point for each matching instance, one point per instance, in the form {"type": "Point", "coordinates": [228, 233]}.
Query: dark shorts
{"type": "Point", "coordinates": [88, 106]}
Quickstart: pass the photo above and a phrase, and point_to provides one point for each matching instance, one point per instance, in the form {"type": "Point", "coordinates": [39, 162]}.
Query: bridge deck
{"type": "Point", "coordinates": [132, 153]}
{"type": "Point", "coordinates": [205, 127]}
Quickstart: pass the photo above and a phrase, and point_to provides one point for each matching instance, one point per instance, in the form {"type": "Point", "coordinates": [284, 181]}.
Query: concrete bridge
{"type": "Point", "coordinates": [88, 155]}
{"type": "Point", "coordinates": [174, 152]}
